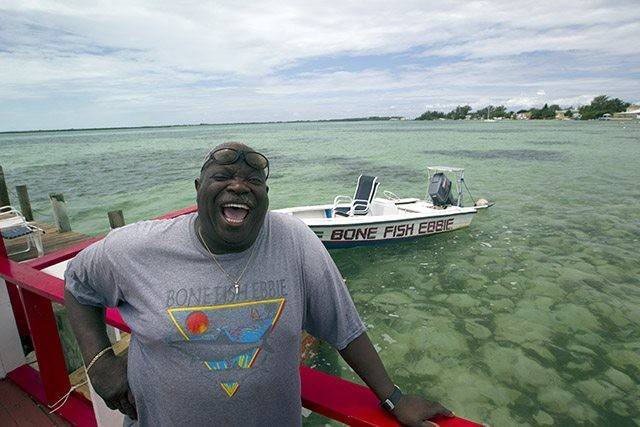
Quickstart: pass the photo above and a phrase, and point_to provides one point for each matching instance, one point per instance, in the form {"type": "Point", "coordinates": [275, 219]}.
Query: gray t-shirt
{"type": "Point", "coordinates": [200, 354]}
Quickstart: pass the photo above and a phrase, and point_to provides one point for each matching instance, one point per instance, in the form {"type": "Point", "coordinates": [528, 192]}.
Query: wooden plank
{"type": "Point", "coordinates": [17, 409]}
{"type": "Point", "coordinates": [77, 410]}
{"type": "Point", "coordinates": [52, 241]}
{"type": "Point", "coordinates": [5, 417]}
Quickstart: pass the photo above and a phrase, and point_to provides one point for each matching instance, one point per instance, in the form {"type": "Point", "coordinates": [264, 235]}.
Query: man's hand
{"type": "Point", "coordinates": [109, 379]}
{"type": "Point", "coordinates": [415, 411]}
{"type": "Point", "coordinates": [410, 410]}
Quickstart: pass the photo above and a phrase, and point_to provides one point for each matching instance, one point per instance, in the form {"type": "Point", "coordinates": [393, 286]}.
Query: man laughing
{"type": "Point", "coordinates": [216, 302]}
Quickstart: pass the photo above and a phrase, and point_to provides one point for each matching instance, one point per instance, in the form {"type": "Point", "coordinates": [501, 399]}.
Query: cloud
{"type": "Point", "coordinates": [75, 63]}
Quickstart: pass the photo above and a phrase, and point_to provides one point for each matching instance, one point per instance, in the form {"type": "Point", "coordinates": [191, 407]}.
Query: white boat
{"type": "Point", "coordinates": [365, 219]}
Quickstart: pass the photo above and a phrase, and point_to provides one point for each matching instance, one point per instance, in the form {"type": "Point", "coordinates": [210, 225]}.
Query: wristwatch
{"type": "Point", "coordinates": [390, 402]}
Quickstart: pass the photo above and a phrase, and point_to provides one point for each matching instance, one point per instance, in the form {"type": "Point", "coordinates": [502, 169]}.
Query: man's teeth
{"type": "Point", "coordinates": [236, 205]}
{"type": "Point", "coordinates": [235, 213]}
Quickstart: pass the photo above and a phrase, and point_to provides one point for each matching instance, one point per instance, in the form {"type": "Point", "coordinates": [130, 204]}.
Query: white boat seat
{"type": "Point", "coordinates": [361, 201]}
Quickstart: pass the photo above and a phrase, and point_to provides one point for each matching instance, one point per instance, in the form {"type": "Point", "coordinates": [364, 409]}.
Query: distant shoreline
{"type": "Point", "coordinates": [355, 119]}
{"type": "Point", "coordinates": [351, 119]}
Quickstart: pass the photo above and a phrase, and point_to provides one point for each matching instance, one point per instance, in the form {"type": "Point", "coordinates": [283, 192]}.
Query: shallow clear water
{"type": "Point", "coordinates": [530, 316]}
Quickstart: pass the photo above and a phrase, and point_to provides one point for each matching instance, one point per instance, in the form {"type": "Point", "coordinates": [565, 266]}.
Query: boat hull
{"type": "Point", "coordinates": [381, 232]}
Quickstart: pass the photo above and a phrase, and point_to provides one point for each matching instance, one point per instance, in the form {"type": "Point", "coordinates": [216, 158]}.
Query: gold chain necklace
{"type": "Point", "coordinates": [236, 282]}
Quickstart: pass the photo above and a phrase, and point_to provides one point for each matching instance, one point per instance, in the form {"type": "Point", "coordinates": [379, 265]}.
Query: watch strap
{"type": "Point", "coordinates": [390, 402]}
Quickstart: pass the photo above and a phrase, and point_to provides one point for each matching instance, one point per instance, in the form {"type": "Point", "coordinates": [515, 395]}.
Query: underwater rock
{"type": "Point", "coordinates": [620, 379]}
{"type": "Point", "coordinates": [589, 339]}
{"type": "Point", "coordinates": [617, 318]}
{"type": "Point", "coordinates": [515, 368]}
{"type": "Point", "coordinates": [502, 304]}
{"type": "Point", "coordinates": [462, 300]}
{"type": "Point", "coordinates": [425, 367]}
{"type": "Point", "coordinates": [598, 392]}
{"type": "Point", "coordinates": [542, 303]}
{"type": "Point", "coordinates": [584, 267]}
{"type": "Point", "coordinates": [584, 366]}
{"type": "Point", "coordinates": [519, 330]}
{"type": "Point", "coordinates": [575, 348]}
{"type": "Point", "coordinates": [502, 417]}
{"type": "Point", "coordinates": [571, 277]}
{"type": "Point", "coordinates": [477, 331]}
{"type": "Point", "coordinates": [391, 298]}
{"type": "Point", "coordinates": [610, 272]}
{"type": "Point", "coordinates": [574, 318]}
{"type": "Point", "coordinates": [439, 340]}
{"type": "Point", "coordinates": [620, 408]}
{"type": "Point", "coordinates": [414, 315]}
{"type": "Point", "coordinates": [540, 350]}
{"type": "Point", "coordinates": [556, 399]}
{"type": "Point", "coordinates": [530, 373]}
{"type": "Point", "coordinates": [498, 290]}
{"type": "Point", "coordinates": [582, 414]}
{"type": "Point", "coordinates": [543, 419]}
{"type": "Point", "coordinates": [542, 287]}
{"type": "Point", "coordinates": [624, 359]}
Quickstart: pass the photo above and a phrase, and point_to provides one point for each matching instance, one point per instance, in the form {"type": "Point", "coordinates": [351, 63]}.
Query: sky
{"type": "Point", "coordinates": [78, 64]}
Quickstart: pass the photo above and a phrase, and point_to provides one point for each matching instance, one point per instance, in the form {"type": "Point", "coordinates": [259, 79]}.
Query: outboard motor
{"type": "Point", "coordinates": [440, 190]}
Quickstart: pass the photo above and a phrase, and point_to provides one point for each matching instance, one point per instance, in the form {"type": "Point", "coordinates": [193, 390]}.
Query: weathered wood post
{"type": "Point", "coordinates": [60, 212]}
{"type": "Point", "coordinates": [25, 203]}
{"type": "Point", "coordinates": [4, 193]}
{"type": "Point", "coordinates": [116, 219]}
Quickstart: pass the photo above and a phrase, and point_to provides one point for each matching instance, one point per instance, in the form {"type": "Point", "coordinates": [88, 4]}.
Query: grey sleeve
{"type": "Point", "coordinates": [91, 277]}
{"type": "Point", "coordinates": [329, 311]}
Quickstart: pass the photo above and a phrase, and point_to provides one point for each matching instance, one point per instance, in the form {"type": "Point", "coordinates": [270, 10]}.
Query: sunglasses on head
{"type": "Point", "coordinates": [227, 156]}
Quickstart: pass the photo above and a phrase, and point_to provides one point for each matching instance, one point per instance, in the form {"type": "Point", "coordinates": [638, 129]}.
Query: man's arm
{"type": "Point", "coordinates": [410, 410]}
{"type": "Point", "coordinates": [109, 373]}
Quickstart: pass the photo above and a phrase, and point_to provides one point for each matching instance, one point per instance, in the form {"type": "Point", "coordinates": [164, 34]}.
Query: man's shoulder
{"type": "Point", "coordinates": [149, 232]}
{"type": "Point", "coordinates": [294, 234]}
{"type": "Point", "coordinates": [282, 221]}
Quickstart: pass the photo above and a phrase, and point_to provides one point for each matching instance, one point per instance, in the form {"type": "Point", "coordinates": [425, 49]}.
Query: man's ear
{"type": "Point", "coordinates": [197, 183]}
{"type": "Point", "coordinates": [267, 188]}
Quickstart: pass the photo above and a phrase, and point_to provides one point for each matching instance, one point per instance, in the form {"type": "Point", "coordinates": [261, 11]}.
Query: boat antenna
{"type": "Point", "coordinates": [469, 191]}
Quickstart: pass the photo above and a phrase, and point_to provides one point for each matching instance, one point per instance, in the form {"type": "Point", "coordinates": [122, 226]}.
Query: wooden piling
{"type": "Point", "coordinates": [116, 218]}
{"type": "Point", "coordinates": [60, 212]}
{"type": "Point", "coordinates": [4, 193]}
{"type": "Point", "coordinates": [25, 203]}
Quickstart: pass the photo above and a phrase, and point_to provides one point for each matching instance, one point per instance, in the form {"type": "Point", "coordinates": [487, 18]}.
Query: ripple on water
{"type": "Point", "coordinates": [520, 155]}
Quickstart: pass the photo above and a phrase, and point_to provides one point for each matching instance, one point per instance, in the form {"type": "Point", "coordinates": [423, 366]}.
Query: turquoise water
{"type": "Point", "coordinates": [530, 316]}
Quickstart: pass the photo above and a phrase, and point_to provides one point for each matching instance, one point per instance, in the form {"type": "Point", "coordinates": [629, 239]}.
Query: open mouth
{"type": "Point", "coordinates": [235, 213]}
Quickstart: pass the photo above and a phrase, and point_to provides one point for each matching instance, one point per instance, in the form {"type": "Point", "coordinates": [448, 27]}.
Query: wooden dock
{"type": "Point", "coordinates": [52, 240]}
{"type": "Point", "coordinates": [19, 410]}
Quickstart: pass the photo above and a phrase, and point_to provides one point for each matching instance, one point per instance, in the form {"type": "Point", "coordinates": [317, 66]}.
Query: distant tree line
{"type": "Point", "coordinates": [599, 106]}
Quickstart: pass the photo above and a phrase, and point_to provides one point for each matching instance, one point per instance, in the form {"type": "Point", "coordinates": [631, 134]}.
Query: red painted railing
{"type": "Point", "coordinates": [31, 293]}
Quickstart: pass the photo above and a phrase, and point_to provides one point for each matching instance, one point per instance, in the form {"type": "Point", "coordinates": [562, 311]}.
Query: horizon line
{"type": "Point", "coordinates": [346, 119]}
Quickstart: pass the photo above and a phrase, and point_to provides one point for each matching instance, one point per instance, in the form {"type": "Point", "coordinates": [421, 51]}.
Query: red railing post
{"type": "Point", "coordinates": [46, 342]}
